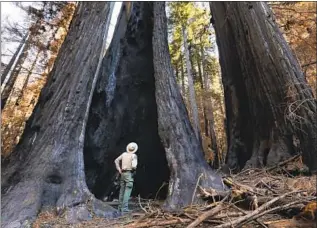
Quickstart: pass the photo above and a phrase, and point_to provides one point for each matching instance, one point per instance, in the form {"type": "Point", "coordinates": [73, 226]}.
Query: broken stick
{"type": "Point", "coordinates": [157, 223]}
{"type": "Point", "coordinates": [207, 214]}
{"type": "Point", "coordinates": [255, 212]}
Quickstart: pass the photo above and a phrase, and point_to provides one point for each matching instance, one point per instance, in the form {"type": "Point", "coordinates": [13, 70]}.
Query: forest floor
{"type": "Point", "coordinates": [278, 197]}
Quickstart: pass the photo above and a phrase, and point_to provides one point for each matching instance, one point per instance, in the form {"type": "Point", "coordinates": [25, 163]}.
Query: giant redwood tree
{"type": "Point", "coordinates": [271, 112]}
{"type": "Point", "coordinates": [123, 109]}
{"type": "Point", "coordinates": [128, 105]}
{"type": "Point", "coordinates": [47, 167]}
{"type": "Point", "coordinates": [91, 107]}
{"type": "Point", "coordinates": [183, 149]}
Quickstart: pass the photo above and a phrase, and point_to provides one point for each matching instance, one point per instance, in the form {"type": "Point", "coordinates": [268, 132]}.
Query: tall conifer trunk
{"type": "Point", "coordinates": [270, 108]}
{"type": "Point", "coordinates": [47, 167]}
{"type": "Point", "coordinates": [183, 77]}
{"type": "Point", "coordinates": [202, 86]}
{"type": "Point", "coordinates": [210, 111]}
{"type": "Point", "coordinates": [183, 149]}
{"type": "Point", "coordinates": [13, 60]}
{"type": "Point", "coordinates": [16, 69]}
{"type": "Point", "coordinates": [191, 88]}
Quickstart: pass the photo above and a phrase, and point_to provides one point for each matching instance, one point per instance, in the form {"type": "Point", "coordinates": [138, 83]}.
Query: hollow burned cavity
{"type": "Point", "coordinates": [124, 110]}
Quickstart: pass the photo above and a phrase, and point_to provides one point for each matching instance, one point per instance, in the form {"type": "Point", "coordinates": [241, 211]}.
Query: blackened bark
{"type": "Point", "coordinates": [124, 109]}
{"type": "Point", "coordinates": [237, 109]}
{"type": "Point", "coordinates": [183, 149]}
{"type": "Point", "coordinates": [265, 91]}
{"type": "Point", "coordinates": [47, 167]}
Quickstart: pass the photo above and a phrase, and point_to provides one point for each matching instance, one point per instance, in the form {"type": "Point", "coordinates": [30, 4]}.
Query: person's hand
{"type": "Point", "coordinates": [133, 172]}
{"type": "Point", "coordinates": [120, 171]}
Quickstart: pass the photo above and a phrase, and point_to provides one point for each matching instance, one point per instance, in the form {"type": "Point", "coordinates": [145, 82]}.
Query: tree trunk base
{"type": "Point", "coordinates": [262, 94]}
{"type": "Point", "coordinates": [184, 186]}
{"type": "Point", "coordinates": [268, 153]}
{"type": "Point", "coordinates": [184, 153]}
{"type": "Point", "coordinates": [23, 203]}
{"type": "Point", "coordinates": [86, 211]}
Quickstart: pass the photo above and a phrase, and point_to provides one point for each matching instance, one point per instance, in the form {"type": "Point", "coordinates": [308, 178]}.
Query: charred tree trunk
{"type": "Point", "coordinates": [13, 59]}
{"type": "Point", "coordinates": [268, 102]}
{"type": "Point", "coordinates": [15, 73]}
{"type": "Point", "coordinates": [237, 112]}
{"type": "Point", "coordinates": [123, 109]}
{"type": "Point", "coordinates": [191, 88]}
{"type": "Point", "coordinates": [47, 167]}
{"type": "Point", "coordinates": [183, 149]}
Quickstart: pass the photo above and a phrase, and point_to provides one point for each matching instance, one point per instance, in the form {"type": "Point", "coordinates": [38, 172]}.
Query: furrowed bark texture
{"type": "Point", "coordinates": [237, 109]}
{"type": "Point", "coordinates": [124, 109]}
{"type": "Point", "coordinates": [270, 109]}
{"type": "Point", "coordinates": [183, 149]}
{"type": "Point", "coordinates": [47, 167]}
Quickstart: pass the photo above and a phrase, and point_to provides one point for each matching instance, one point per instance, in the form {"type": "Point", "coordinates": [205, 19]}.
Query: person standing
{"type": "Point", "coordinates": [129, 162]}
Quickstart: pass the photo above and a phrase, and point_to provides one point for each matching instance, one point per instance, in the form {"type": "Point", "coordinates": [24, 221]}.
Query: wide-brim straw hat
{"type": "Point", "coordinates": [132, 147]}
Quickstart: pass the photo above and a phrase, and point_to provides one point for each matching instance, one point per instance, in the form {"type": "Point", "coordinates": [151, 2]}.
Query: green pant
{"type": "Point", "coordinates": [126, 184]}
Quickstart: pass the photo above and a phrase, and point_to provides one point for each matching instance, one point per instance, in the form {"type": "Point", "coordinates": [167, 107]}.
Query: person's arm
{"type": "Point", "coordinates": [134, 161]}
{"type": "Point", "coordinates": [117, 162]}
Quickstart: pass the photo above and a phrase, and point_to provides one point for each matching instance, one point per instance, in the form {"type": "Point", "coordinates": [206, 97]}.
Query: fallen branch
{"type": "Point", "coordinates": [283, 207]}
{"type": "Point", "coordinates": [143, 218]}
{"type": "Point", "coordinates": [158, 223]}
{"type": "Point", "coordinates": [308, 64]}
{"type": "Point", "coordinates": [189, 216]}
{"type": "Point", "coordinates": [193, 196]}
{"type": "Point", "coordinates": [245, 213]}
{"type": "Point", "coordinates": [268, 187]}
{"type": "Point", "coordinates": [278, 165]}
{"type": "Point", "coordinates": [278, 208]}
{"type": "Point", "coordinates": [207, 214]}
{"type": "Point", "coordinates": [162, 186]}
{"type": "Point", "coordinates": [141, 205]}
{"type": "Point", "coordinates": [253, 214]}
{"type": "Point", "coordinates": [212, 193]}
{"type": "Point", "coordinates": [228, 214]}
{"type": "Point", "coordinates": [291, 223]}
{"type": "Point", "coordinates": [283, 163]}
{"type": "Point", "coordinates": [244, 188]}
